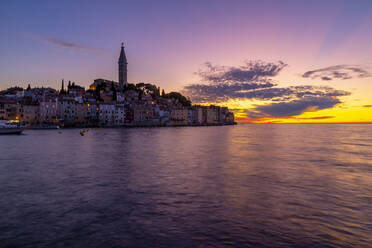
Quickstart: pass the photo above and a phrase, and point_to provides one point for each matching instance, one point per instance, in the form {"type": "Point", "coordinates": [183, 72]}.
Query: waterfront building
{"type": "Point", "coordinates": [81, 113]}
{"type": "Point", "coordinates": [195, 115]}
{"type": "Point", "coordinates": [119, 117]}
{"type": "Point", "coordinates": [67, 110]}
{"type": "Point", "coordinates": [107, 114]}
{"type": "Point", "coordinates": [142, 113]}
{"type": "Point", "coordinates": [191, 116]}
{"type": "Point", "coordinates": [199, 115]}
{"type": "Point", "coordinates": [92, 113]}
{"type": "Point", "coordinates": [179, 116]}
{"type": "Point", "coordinates": [8, 109]}
{"type": "Point", "coordinates": [48, 109]}
{"type": "Point", "coordinates": [162, 113]}
{"type": "Point", "coordinates": [129, 115]}
{"type": "Point", "coordinates": [212, 115]}
{"type": "Point", "coordinates": [30, 114]}
{"type": "Point", "coordinates": [2, 111]}
{"type": "Point", "coordinates": [229, 119]}
{"type": "Point", "coordinates": [223, 114]}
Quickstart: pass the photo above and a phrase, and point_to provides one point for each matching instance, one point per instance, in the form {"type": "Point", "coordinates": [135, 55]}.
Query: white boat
{"type": "Point", "coordinates": [10, 127]}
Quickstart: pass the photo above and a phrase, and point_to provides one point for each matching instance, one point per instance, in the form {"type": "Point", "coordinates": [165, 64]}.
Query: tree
{"type": "Point", "coordinates": [163, 93]}
{"type": "Point", "coordinates": [175, 95]}
{"type": "Point", "coordinates": [129, 87]}
{"type": "Point", "coordinates": [114, 93]}
{"type": "Point", "coordinates": [62, 91]}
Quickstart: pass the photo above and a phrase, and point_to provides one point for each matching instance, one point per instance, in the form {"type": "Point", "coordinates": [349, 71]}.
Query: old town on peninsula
{"type": "Point", "coordinates": [107, 104]}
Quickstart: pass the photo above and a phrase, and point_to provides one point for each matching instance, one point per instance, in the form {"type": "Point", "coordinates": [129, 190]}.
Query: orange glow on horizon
{"type": "Point", "coordinates": [341, 113]}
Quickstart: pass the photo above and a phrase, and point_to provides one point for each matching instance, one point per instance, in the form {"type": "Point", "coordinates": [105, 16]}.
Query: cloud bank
{"type": "Point", "coordinates": [203, 93]}
{"type": "Point", "coordinates": [253, 81]}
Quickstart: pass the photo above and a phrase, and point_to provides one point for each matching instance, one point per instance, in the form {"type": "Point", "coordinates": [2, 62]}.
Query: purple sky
{"type": "Point", "coordinates": [167, 42]}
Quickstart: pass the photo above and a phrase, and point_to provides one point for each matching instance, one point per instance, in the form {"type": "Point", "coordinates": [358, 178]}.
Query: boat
{"type": "Point", "coordinates": [10, 127]}
{"type": "Point", "coordinates": [45, 126]}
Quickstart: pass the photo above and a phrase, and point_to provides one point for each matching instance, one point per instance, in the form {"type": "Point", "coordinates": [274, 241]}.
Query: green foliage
{"type": "Point", "coordinates": [152, 89]}
{"type": "Point", "coordinates": [143, 89]}
{"type": "Point", "coordinates": [176, 95]}
{"type": "Point", "coordinates": [114, 95]}
{"type": "Point", "coordinates": [129, 87]}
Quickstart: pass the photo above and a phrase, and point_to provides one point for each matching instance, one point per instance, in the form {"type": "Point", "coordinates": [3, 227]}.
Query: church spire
{"type": "Point", "coordinates": [122, 68]}
{"type": "Point", "coordinates": [122, 58]}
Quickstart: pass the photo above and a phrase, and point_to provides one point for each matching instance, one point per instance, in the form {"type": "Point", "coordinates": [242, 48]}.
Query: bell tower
{"type": "Point", "coordinates": [122, 68]}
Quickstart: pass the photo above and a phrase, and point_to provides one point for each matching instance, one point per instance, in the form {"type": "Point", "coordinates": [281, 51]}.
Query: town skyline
{"type": "Point", "coordinates": [265, 68]}
{"type": "Point", "coordinates": [106, 103]}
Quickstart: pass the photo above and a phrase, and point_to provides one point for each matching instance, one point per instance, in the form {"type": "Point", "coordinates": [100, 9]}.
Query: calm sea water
{"type": "Point", "coordinates": [258, 185]}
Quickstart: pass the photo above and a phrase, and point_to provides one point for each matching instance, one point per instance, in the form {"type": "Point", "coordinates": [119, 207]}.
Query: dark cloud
{"type": "Point", "coordinates": [338, 72]}
{"type": "Point", "coordinates": [295, 107]}
{"type": "Point", "coordinates": [222, 92]}
{"type": "Point", "coordinates": [261, 91]}
{"type": "Point", "coordinates": [70, 45]}
{"type": "Point", "coordinates": [249, 71]}
{"type": "Point", "coordinates": [326, 78]}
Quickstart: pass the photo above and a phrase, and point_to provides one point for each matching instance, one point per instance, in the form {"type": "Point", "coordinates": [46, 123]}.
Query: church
{"type": "Point", "coordinates": [123, 75]}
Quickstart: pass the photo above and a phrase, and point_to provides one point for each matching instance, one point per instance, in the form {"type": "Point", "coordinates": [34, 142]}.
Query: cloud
{"type": "Point", "coordinates": [252, 81]}
{"type": "Point", "coordinates": [338, 72]}
{"type": "Point", "coordinates": [249, 71]}
{"type": "Point", "coordinates": [255, 115]}
{"type": "Point", "coordinates": [367, 106]}
{"type": "Point", "coordinates": [314, 118]}
{"type": "Point", "coordinates": [222, 92]}
{"type": "Point", "coordinates": [326, 78]}
{"type": "Point", "coordinates": [260, 91]}
{"type": "Point", "coordinates": [70, 45]}
{"type": "Point", "coordinates": [295, 107]}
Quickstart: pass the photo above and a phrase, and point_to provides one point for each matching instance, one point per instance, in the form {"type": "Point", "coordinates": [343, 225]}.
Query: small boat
{"type": "Point", "coordinates": [10, 127]}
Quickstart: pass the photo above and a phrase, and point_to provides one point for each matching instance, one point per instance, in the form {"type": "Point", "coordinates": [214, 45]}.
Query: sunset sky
{"type": "Point", "coordinates": [269, 61]}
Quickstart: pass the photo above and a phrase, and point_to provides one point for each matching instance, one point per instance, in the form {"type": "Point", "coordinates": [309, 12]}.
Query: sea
{"type": "Point", "coordinates": [249, 185]}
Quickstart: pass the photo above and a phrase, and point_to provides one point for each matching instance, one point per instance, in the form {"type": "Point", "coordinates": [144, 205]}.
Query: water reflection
{"type": "Point", "coordinates": [247, 185]}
